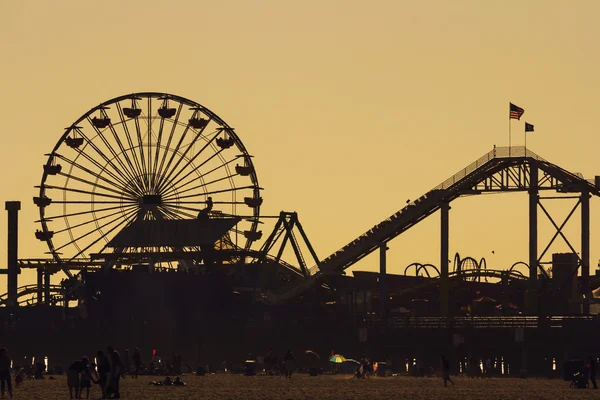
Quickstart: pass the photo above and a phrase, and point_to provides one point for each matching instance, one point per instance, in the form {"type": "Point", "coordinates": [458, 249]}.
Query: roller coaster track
{"type": "Point", "coordinates": [459, 276]}
{"type": "Point", "coordinates": [467, 181]}
{"type": "Point", "coordinates": [24, 294]}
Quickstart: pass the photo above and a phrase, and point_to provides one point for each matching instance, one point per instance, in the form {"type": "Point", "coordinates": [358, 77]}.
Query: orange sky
{"type": "Point", "coordinates": [348, 107]}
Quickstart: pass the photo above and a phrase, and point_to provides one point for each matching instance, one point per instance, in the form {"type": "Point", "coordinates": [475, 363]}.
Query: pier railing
{"type": "Point", "coordinates": [413, 322]}
{"type": "Point", "coordinates": [498, 152]}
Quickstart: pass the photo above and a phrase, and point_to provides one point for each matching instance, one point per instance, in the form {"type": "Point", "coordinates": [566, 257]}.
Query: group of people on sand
{"type": "Point", "coordinates": [5, 379]}
{"type": "Point", "coordinates": [106, 373]}
{"type": "Point", "coordinates": [169, 382]}
{"type": "Point", "coordinates": [287, 363]}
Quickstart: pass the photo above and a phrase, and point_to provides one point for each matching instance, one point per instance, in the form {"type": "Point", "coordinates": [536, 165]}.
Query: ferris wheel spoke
{"type": "Point", "coordinates": [198, 187]}
{"type": "Point", "coordinates": [188, 148]}
{"type": "Point", "coordinates": [119, 177]}
{"type": "Point", "coordinates": [175, 152]}
{"type": "Point", "coordinates": [166, 179]}
{"type": "Point", "coordinates": [123, 171]}
{"type": "Point", "coordinates": [73, 190]}
{"type": "Point", "coordinates": [177, 204]}
{"type": "Point", "coordinates": [126, 170]}
{"type": "Point", "coordinates": [167, 146]}
{"type": "Point", "coordinates": [118, 184]}
{"type": "Point", "coordinates": [178, 188]}
{"type": "Point", "coordinates": [179, 210]}
{"type": "Point", "coordinates": [233, 189]}
{"type": "Point", "coordinates": [165, 213]}
{"type": "Point", "coordinates": [98, 228]}
{"type": "Point", "coordinates": [86, 202]}
{"type": "Point", "coordinates": [91, 221]}
{"type": "Point", "coordinates": [95, 185]}
{"type": "Point", "coordinates": [149, 156]}
{"type": "Point", "coordinates": [140, 146]}
{"type": "Point", "coordinates": [138, 168]}
{"type": "Point", "coordinates": [84, 212]}
{"type": "Point", "coordinates": [135, 169]}
{"type": "Point", "coordinates": [173, 213]}
{"type": "Point", "coordinates": [196, 168]}
{"type": "Point", "coordinates": [103, 236]}
{"type": "Point", "coordinates": [157, 152]}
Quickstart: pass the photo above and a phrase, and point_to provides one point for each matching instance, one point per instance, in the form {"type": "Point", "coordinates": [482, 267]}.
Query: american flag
{"type": "Point", "coordinates": [515, 111]}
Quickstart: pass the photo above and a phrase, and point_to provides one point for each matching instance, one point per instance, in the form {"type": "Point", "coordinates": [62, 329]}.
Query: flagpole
{"type": "Point", "coordinates": [525, 140]}
{"type": "Point", "coordinates": [509, 134]}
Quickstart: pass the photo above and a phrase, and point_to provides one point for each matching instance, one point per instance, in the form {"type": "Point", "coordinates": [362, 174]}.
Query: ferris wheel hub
{"type": "Point", "coordinates": [151, 200]}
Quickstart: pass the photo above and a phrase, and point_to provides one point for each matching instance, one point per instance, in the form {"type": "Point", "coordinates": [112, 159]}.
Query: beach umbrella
{"type": "Point", "coordinates": [312, 353]}
{"type": "Point", "coordinates": [337, 359]}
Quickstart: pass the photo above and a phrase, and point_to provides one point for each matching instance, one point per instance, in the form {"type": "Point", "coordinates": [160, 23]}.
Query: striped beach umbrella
{"type": "Point", "coordinates": [337, 358]}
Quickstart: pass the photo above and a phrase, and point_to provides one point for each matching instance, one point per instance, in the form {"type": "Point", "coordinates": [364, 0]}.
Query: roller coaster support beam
{"type": "Point", "coordinates": [444, 289]}
{"type": "Point", "coordinates": [40, 284]}
{"type": "Point", "coordinates": [13, 208]}
{"type": "Point", "coordinates": [305, 238]}
{"type": "Point", "coordinates": [383, 294]}
{"type": "Point", "coordinates": [531, 308]}
{"type": "Point", "coordinates": [46, 286]}
{"type": "Point", "coordinates": [505, 292]}
{"type": "Point", "coordinates": [585, 251]}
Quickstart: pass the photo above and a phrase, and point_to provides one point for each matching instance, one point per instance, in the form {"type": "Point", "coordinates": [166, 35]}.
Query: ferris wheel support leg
{"type": "Point", "coordinates": [13, 208]}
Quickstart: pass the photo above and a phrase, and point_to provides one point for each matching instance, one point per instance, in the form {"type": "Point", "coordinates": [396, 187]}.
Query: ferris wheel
{"type": "Point", "coordinates": [144, 156]}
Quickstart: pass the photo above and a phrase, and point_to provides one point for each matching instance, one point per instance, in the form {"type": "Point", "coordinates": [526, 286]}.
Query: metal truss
{"type": "Point", "coordinates": [284, 233]}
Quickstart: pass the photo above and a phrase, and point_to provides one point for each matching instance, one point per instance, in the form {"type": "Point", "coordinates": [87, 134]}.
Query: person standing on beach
{"type": "Point", "coordinates": [116, 368]}
{"type": "Point", "coordinates": [290, 363]}
{"type": "Point", "coordinates": [86, 379]}
{"type": "Point", "coordinates": [446, 371]}
{"type": "Point", "coordinates": [5, 373]}
{"type": "Point", "coordinates": [103, 367]}
{"type": "Point", "coordinates": [126, 364]}
{"type": "Point", "coordinates": [73, 376]}
{"type": "Point", "coordinates": [137, 361]}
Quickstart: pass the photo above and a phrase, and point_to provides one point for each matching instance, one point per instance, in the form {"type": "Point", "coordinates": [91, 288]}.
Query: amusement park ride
{"type": "Point", "coordinates": [156, 183]}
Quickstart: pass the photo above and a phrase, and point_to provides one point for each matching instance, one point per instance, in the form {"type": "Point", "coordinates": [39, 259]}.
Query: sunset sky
{"type": "Point", "coordinates": [348, 107]}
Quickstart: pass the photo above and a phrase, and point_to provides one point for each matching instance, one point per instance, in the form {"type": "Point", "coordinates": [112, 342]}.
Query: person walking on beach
{"type": "Point", "coordinates": [5, 372]}
{"type": "Point", "coordinates": [446, 371]}
{"type": "Point", "coordinates": [126, 364]}
{"type": "Point", "coordinates": [103, 367]}
{"type": "Point", "coordinates": [86, 379]}
{"type": "Point", "coordinates": [137, 361]}
{"type": "Point", "coordinates": [290, 363]}
{"type": "Point", "coordinates": [73, 376]}
{"type": "Point", "coordinates": [116, 368]}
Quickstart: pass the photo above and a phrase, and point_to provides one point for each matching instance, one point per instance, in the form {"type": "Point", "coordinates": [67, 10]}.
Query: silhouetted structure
{"type": "Point", "coordinates": [142, 208]}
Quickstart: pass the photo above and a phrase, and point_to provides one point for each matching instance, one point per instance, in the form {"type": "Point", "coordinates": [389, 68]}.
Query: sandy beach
{"type": "Point", "coordinates": [302, 386]}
